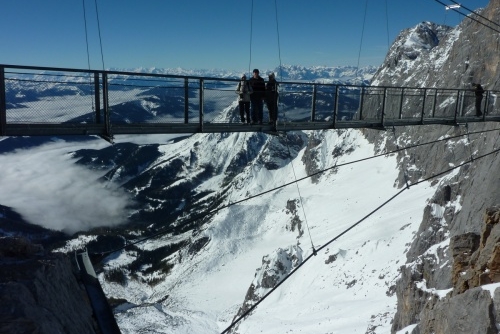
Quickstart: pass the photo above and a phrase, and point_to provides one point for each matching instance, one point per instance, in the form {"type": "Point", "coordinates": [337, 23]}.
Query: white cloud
{"type": "Point", "coordinates": [46, 186]}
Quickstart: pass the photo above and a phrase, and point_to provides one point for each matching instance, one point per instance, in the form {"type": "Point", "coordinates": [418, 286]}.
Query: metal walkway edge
{"type": "Point", "coordinates": [102, 310]}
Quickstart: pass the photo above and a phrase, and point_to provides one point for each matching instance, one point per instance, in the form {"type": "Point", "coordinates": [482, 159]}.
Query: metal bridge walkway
{"type": "Point", "coordinates": [60, 101]}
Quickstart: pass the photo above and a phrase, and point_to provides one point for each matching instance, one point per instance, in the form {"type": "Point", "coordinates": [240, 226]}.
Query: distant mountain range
{"type": "Point", "coordinates": [343, 74]}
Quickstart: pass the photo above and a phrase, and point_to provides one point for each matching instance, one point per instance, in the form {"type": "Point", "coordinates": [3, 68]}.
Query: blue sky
{"type": "Point", "coordinates": [203, 34]}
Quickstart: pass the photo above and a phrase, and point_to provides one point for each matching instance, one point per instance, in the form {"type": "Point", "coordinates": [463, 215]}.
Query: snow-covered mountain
{"type": "Point", "coordinates": [339, 74]}
{"type": "Point", "coordinates": [215, 221]}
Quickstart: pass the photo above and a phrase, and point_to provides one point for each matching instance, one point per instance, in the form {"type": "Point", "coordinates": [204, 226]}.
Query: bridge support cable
{"type": "Point", "coordinates": [475, 13]}
{"type": "Point", "coordinates": [405, 167]}
{"type": "Point", "coordinates": [247, 312]}
{"type": "Point", "coordinates": [469, 143]}
{"type": "Point", "coordinates": [100, 256]}
{"type": "Point", "coordinates": [468, 16]}
{"type": "Point", "coordinates": [99, 30]}
{"type": "Point", "coordinates": [361, 41]}
{"type": "Point", "coordinates": [251, 39]}
{"type": "Point", "coordinates": [300, 196]}
{"type": "Point", "coordinates": [97, 117]}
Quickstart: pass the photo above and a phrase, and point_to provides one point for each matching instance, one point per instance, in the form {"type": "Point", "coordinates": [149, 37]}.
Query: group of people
{"type": "Point", "coordinates": [251, 97]}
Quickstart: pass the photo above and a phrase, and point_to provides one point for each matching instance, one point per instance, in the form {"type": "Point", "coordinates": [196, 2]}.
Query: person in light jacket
{"type": "Point", "coordinates": [244, 90]}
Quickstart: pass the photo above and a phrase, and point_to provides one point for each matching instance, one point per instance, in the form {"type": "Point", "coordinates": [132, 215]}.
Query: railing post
{"type": "Point", "coordinates": [201, 104]}
{"type": "Point", "coordinates": [486, 101]}
{"type": "Point", "coordinates": [335, 106]}
{"type": "Point", "coordinates": [361, 100]}
{"type": "Point", "coordinates": [434, 103]}
{"type": "Point", "coordinates": [313, 106]}
{"type": "Point", "coordinates": [401, 103]}
{"type": "Point", "coordinates": [3, 103]}
{"type": "Point", "coordinates": [186, 100]}
{"type": "Point", "coordinates": [97, 98]}
{"type": "Point", "coordinates": [105, 107]}
{"type": "Point", "coordinates": [456, 105]}
{"type": "Point", "coordinates": [423, 107]}
{"type": "Point", "coordinates": [383, 107]}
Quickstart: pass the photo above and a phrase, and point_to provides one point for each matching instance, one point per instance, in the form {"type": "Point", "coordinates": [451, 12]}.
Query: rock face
{"type": "Point", "coordinates": [454, 252]}
{"type": "Point", "coordinates": [39, 292]}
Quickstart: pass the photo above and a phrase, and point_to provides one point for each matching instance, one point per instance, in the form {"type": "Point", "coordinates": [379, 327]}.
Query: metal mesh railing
{"type": "Point", "coordinates": [57, 96]}
{"type": "Point", "coordinates": [49, 97]}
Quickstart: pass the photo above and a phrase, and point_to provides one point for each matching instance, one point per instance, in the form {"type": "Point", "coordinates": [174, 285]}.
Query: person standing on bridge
{"type": "Point", "coordinates": [272, 99]}
{"type": "Point", "coordinates": [478, 91]}
{"type": "Point", "coordinates": [257, 98]}
{"type": "Point", "coordinates": [244, 90]}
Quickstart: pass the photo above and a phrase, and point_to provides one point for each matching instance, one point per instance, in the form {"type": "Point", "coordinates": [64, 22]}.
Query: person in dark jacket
{"type": "Point", "coordinates": [257, 98]}
{"type": "Point", "coordinates": [244, 90]}
{"type": "Point", "coordinates": [272, 98]}
{"type": "Point", "coordinates": [478, 91]}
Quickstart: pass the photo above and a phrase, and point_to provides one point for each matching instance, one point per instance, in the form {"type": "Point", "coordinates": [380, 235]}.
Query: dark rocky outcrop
{"type": "Point", "coordinates": [39, 292]}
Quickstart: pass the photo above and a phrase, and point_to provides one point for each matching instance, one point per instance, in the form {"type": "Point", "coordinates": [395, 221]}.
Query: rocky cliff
{"type": "Point", "coordinates": [453, 256]}
{"type": "Point", "coordinates": [39, 292]}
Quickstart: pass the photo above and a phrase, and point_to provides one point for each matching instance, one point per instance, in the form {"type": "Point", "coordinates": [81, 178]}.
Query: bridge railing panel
{"type": "Point", "coordinates": [445, 103]}
{"type": "Point", "coordinates": [371, 105]}
{"type": "Point", "coordinates": [295, 102]}
{"type": "Point", "coordinates": [324, 101]}
{"type": "Point", "coordinates": [492, 103]}
{"type": "Point", "coordinates": [220, 101]}
{"type": "Point", "coordinates": [49, 97]}
{"type": "Point", "coordinates": [144, 99]}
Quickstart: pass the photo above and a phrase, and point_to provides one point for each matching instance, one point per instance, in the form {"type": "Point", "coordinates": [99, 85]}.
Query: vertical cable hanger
{"type": "Point", "coordinates": [99, 30]}
{"type": "Point", "coordinates": [251, 36]}
{"type": "Point", "coordinates": [88, 58]}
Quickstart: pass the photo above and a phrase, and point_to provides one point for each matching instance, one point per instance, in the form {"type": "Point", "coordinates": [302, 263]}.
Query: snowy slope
{"type": "Point", "coordinates": [204, 291]}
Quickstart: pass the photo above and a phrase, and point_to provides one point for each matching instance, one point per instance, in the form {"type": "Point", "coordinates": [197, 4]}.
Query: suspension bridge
{"type": "Point", "coordinates": [43, 101]}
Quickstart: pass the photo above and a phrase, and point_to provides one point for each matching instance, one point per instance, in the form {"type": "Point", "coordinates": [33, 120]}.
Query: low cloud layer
{"type": "Point", "coordinates": [46, 186]}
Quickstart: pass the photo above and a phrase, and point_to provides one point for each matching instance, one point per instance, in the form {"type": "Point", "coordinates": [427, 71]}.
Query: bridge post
{"type": "Point", "coordinates": [313, 104]}
{"type": "Point", "coordinates": [186, 100]}
{"type": "Point", "coordinates": [361, 100]}
{"type": "Point", "coordinates": [335, 106]}
{"type": "Point", "coordinates": [382, 114]}
{"type": "Point", "coordinates": [434, 103]}
{"type": "Point", "coordinates": [456, 105]}
{"type": "Point", "coordinates": [423, 107]}
{"type": "Point", "coordinates": [202, 92]}
{"type": "Point", "coordinates": [105, 107]}
{"type": "Point", "coordinates": [401, 103]}
{"type": "Point", "coordinates": [3, 103]}
{"type": "Point", "coordinates": [486, 101]}
{"type": "Point", "coordinates": [97, 98]}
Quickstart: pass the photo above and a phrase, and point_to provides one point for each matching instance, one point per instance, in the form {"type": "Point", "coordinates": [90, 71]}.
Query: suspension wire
{"type": "Point", "coordinates": [99, 30]}
{"type": "Point", "coordinates": [387, 25]}
{"type": "Point", "coordinates": [213, 211]}
{"type": "Point", "coordinates": [300, 197]}
{"type": "Point", "coordinates": [88, 58]}
{"type": "Point", "coordinates": [278, 34]}
{"type": "Point", "coordinates": [86, 33]}
{"type": "Point", "coordinates": [247, 312]}
{"type": "Point", "coordinates": [469, 17]}
{"type": "Point", "coordinates": [251, 38]}
{"type": "Point", "coordinates": [475, 13]}
{"type": "Point", "coordinates": [362, 35]}
{"type": "Point", "coordinates": [469, 142]}
{"type": "Point", "coordinates": [405, 167]}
